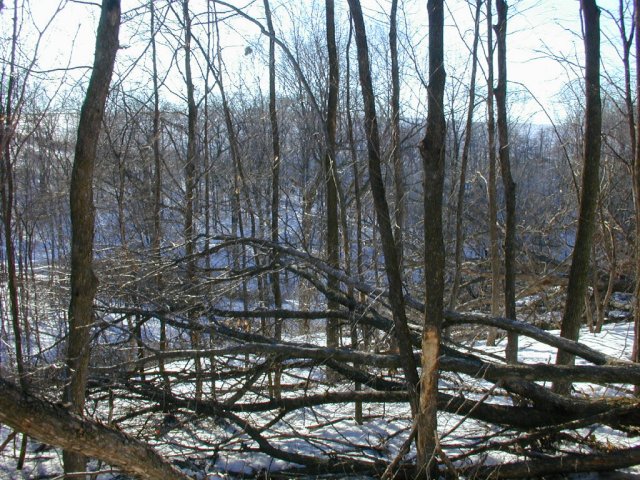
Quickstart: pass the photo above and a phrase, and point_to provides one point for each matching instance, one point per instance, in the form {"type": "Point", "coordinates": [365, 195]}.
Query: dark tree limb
{"type": "Point", "coordinates": [606, 370]}
{"type": "Point", "coordinates": [597, 462]}
{"type": "Point", "coordinates": [522, 418]}
{"type": "Point", "coordinates": [610, 417]}
{"type": "Point", "coordinates": [472, 366]}
{"type": "Point", "coordinates": [217, 410]}
{"type": "Point", "coordinates": [578, 349]}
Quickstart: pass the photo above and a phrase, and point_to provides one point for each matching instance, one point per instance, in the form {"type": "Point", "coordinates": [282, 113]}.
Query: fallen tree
{"type": "Point", "coordinates": [53, 423]}
{"type": "Point", "coordinates": [552, 465]}
{"type": "Point", "coordinates": [239, 410]}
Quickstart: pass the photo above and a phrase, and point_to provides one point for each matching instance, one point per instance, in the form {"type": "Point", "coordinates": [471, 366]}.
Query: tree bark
{"type": "Point", "coordinates": [83, 280]}
{"type": "Point", "coordinates": [579, 272]}
{"type": "Point", "coordinates": [7, 195]}
{"type": "Point", "coordinates": [396, 153]}
{"type": "Point", "coordinates": [275, 186]}
{"type": "Point", "coordinates": [330, 171]}
{"type": "Point", "coordinates": [190, 176]}
{"type": "Point", "coordinates": [432, 150]}
{"type": "Point", "coordinates": [156, 241]}
{"type": "Point", "coordinates": [635, 356]}
{"type": "Point", "coordinates": [494, 250]}
{"type": "Point", "coordinates": [511, 352]}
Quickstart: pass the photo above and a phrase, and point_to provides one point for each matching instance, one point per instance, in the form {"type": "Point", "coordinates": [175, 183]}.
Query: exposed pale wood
{"type": "Point", "coordinates": [432, 150]}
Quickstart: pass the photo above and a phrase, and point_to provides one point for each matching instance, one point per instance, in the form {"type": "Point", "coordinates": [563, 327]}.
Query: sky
{"type": "Point", "coordinates": [544, 43]}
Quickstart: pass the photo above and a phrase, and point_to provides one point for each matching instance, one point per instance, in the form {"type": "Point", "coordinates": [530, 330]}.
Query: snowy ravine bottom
{"type": "Point", "coordinates": [209, 446]}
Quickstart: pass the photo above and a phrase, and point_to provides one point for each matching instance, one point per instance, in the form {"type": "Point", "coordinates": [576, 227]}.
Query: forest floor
{"type": "Point", "coordinates": [211, 449]}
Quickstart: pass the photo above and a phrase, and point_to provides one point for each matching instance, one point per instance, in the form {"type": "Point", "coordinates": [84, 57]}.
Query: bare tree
{"type": "Point", "coordinates": [8, 123]}
{"type": "Point", "coordinates": [8, 117]}
{"type": "Point", "coordinates": [357, 194]}
{"type": "Point", "coordinates": [272, 151]}
{"type": "Point", "coordinates": [400, 211]}
{"type": "Point", "coordinates": [330, 170]}
{"type": "Point", "coordinates": [156, 241]}
{"type": "Point", "coordinates": [275, 181]}
{"type": "Point", "coordinates": [432, 150]}
{"type": "Point", "coordinates": [462, 186]}
{"type": "Point", "coordinates": [579, 273]}
{"type": "Point", "coordinates": [275, 164]}
{"type": "Point", "coordinates": [83, 279]}
{"type": "Point", "coordinates": [511, 352]}
{"type": "Point", "coordinates": [636, 184]}
{"type": "Point", "coordinates": [392, 266]}
{"type": "Point", "coordinates": [190, 175]}
{"type": "Point", "coordinates": [494, 251]}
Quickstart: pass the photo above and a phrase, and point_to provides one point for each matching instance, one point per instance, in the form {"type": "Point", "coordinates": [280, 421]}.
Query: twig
{"type": "Point", "coordinates": [445, 458]}
{"type": "Point", "coordinates": [389, 471]}
{"type": "Point", "coordinates": [7, 441]}
{"type": "Point", "coordinates": [468, 414]}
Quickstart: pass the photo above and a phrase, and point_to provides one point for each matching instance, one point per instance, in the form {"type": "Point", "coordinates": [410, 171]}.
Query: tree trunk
{"type": "Point", "coordinates": [7, 194]}
{"type": "Point", "coordinates": [494, 250]}
{"type": "Point", "coordinates": [83, 280]}
{"type": "Point", "coordinates": [275, 184]}
{"type": "Point", "coordinates": [511, 352]}
{"type": "Point", "coordinates": [636, 183]}
{"type": "Point", "coordinates": [459, 252]}
{"type": "Point", "coordinates": [239, 180]}
{"type": "Point", "coordinates": [627, 44]}
{"type": "Point", "coordinates": [157, 187]}
{"type": "Point", "coordinates": [400, 211]}
{"type": "Point", "coordinates": [357, 193]}
{"type": "Point", "coordinates": [330, 172]}
{"type": "Point", "coordinates": [357, 188]}
{"type": "Point", "coordinates": [189, 180]}
{"type": "Point", "coordinates": [564, 465]}
{"type": "Point", "coordinates": [190, 167]}
{"type": "Point", "coordinates": [432, 150]}
{"type": "Point", "coordinates": [579, 272]}
{"type": "Point", "coordinates": [392, 267]}
{"type": "Point", "coordinates": [275, 163]}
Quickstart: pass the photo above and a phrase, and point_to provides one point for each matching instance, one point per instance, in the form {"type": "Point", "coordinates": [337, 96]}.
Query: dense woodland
{"type": "Point", "coordinates": [256, 230]}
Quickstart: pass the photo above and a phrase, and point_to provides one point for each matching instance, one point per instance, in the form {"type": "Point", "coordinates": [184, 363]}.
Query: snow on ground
{"type": "Point", "coordinates": [224, 450]}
